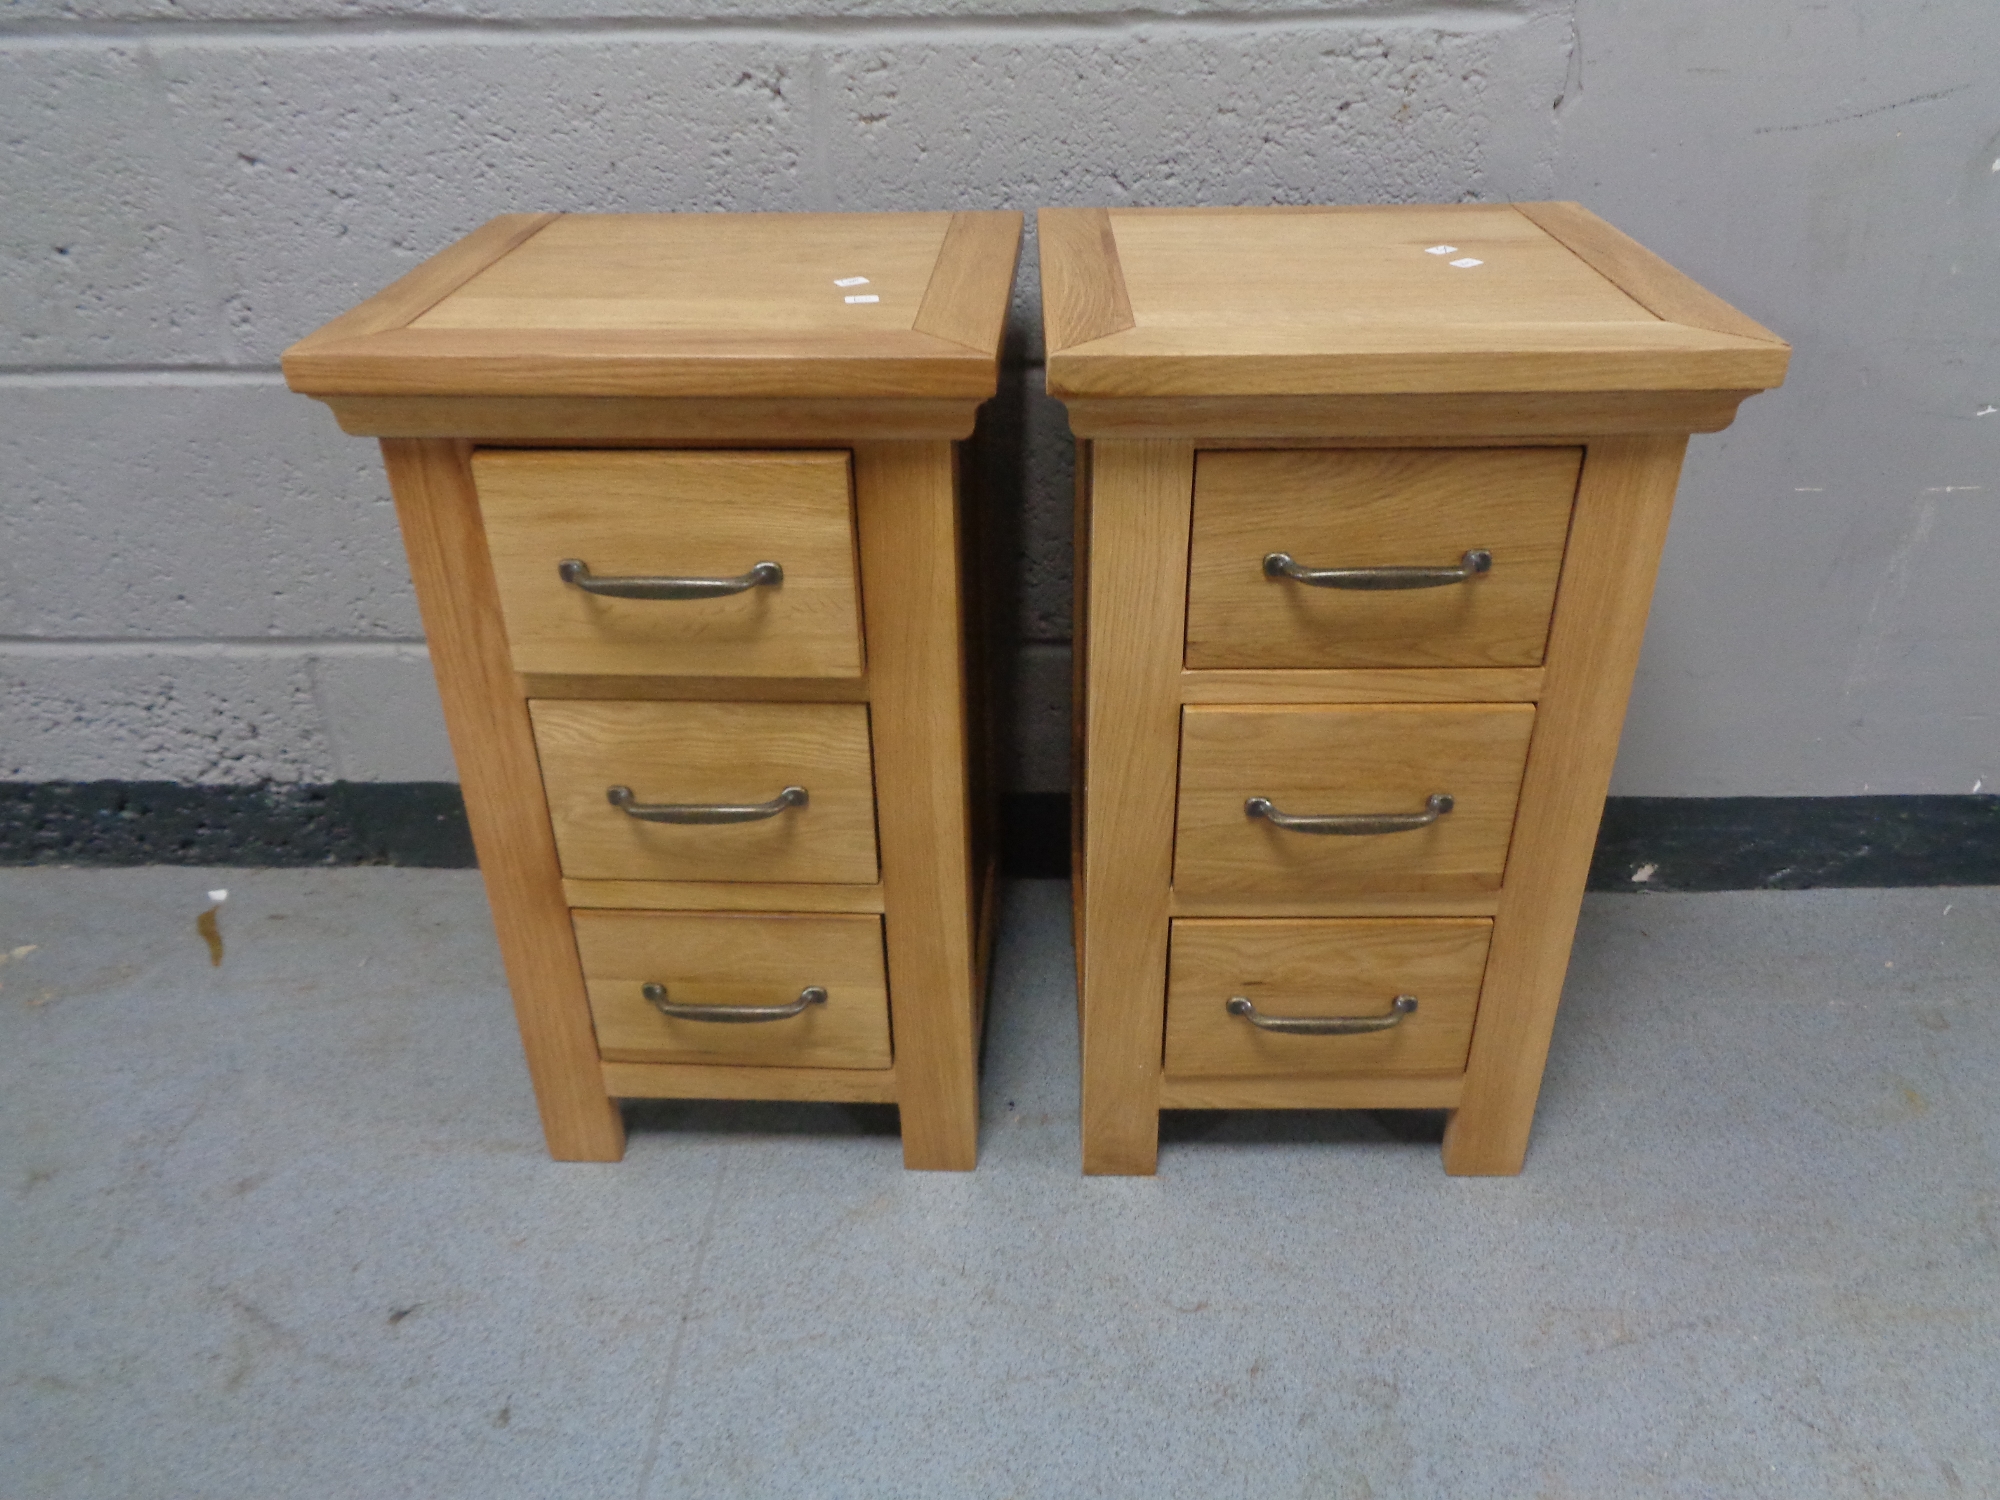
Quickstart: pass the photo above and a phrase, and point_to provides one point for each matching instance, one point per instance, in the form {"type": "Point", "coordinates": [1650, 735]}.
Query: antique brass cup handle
{"type": "Point", "coordinates": [576, 573]}
{"type": "Point", "coordinates": [656, 995]}
{"type": "Point", "coordinates": [1435, 807]}
{"type": "Point", "coordinates": [1470, 566]}
{"type": "Point", "coordinates": [621, 798]}
{"type": "Point", "coordinates": [1401, 1006]}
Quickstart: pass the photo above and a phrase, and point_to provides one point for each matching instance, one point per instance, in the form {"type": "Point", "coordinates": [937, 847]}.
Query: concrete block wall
{"type": "Point", "coordinates": [200, 578]}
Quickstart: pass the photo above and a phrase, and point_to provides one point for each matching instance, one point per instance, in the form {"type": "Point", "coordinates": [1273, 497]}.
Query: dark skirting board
{"type": "Point", "coordinates": [1645, 843]}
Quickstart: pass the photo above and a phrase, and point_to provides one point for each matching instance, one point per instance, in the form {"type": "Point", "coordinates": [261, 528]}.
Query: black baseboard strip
{"type": "Point", "coordinates": [1645, 843]}
{"type": "Point", "coordinates": [420, 824]}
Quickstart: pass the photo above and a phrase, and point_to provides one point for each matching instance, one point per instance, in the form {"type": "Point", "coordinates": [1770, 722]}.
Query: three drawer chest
{"type": "Point", "coordinates": [1370, 503]}
{"type": "Point", "coordinates": [682, 500]}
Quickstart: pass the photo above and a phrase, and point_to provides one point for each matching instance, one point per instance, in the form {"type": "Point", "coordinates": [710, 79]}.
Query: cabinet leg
{"type": "Point", "coordinates": [906, 510]}
{"type": "Point", "coordinates": [495, 749]}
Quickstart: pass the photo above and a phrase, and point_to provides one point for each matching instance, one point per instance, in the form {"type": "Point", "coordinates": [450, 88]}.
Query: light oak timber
{"type": "Point", "coordinates": [1079, 718]}
{"type": "Point", "coordinates": [1142, 362]}
{"type": "Point", "coordinates": [1639, 273]}
{"type": "Point", "coordinates": [737, 958]}
{"type": "Point", "coordinates": [1140, 503]}
{"type": "Point", "coordinates": [1376, 507]}
{"type": "Point", "coordinates": [415, 293]}
{"type": "Point", "coordinates": [1322, 968]}
{"type": "Point", "coordinates": [1335, 904]}
{"type": "Point", "coordinates": [1310, 1093]}
{"type": "Point", "coordinates": [1423, 419]}
{"type": "Point", "coordinates": [694, 689]}
{"type": "Point", "coordinates": [584, 337]}
{"type": "Point", "coordinates": [638, 362]}
{"type": "Point", "coordinates": [682, 514]}
{"type": "Point", "coordinates": [1620, 526]}
{"type": "Point", "coordinates": [906, 509]}
{"type": "Point", "coordinates": [495, 751]}
{"type": "Point", "coordinates": [1363, 685]}
{"type": "Point", "coordinates": [1083, 287]}
{"type": "Point", "coordinates": [966, 298]}
{"type": "Point", "coordinates": [730, 753]}
{"type": "Point", "coordinates": [1241, 332]}
{"type": "Point", "coordinates": [721, 895]}
{"type": "Point", "coordinates": [1316, 759]}
{"type": "Point", "coordinates": [708, 1081]}
{"type": "Point", "coordinates": [574, 421]}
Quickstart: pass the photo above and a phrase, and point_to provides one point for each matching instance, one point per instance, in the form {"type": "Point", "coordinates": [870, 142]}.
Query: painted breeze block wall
{"type": "Point", "coordinates": [200, 578]}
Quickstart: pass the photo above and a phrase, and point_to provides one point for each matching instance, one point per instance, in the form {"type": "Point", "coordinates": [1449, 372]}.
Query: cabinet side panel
{"type": "Point", "coordinates": [488, 723]}
{"type": "Point", "coordinates": [1140, 501]}
{"type": "Point", "coordinates": [1623, 504]}
{"type": "Point", "coordinates": [906, 513]}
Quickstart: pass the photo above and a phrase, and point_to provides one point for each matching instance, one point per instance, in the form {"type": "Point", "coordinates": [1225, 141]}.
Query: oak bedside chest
{"type": "Point", "coordinates": [1370, 503]}
{"type": "Point", "coordinates": [682, 503]}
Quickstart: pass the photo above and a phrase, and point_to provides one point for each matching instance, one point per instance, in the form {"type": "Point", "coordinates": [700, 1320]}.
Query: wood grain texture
{"type": "Point", "coordinates": [1382, 758]}
{"type": "Point", "coordinates": [698, 274]}
{"type": "Point", "coordinates": [694, 689]}
{"type": "Point", "coordinates": [570, 421]}
{"type": "Point", "coordinates": [720, 895]}
{"type": "Point", "coordinates": [1450, 299]}
{"type": "Point", "coordinates": [1639, 273]}
{"type": "Point", "coordinates": [705, 1081]}
{"type": "Point", "coordinates": [737, 958]}
{"type": "Point", "coordinates": [1364, 685]}
{"type": "Point", "coordinates": [642, 362]}
{"type": "Point", "coordinates": [1141, 497]}
{"type": "Point", "coordinates": [679, 514]}
{"type": "Point", "coordinates": [972, 281]}
{"type": "Point", "coordinates": [1376, 507]}
{"type": "Point", "coordinates": [1655, 356]}
{"type": "Point", "coordinates": [1310, 1093]}
{"type": "Point", "coordinates": [495, 751]}
{"type": "Point", "coordinates": [906, 507]}
{"type": "Point", "coordinates": [1083, 288]}
{"type": "Point", "coordinates": [1079, 705]}
{"type": "Point", "coordinates": [1322, 968]}
{"type": "Point", "coordinates": [1620, 525]}
{"type": "Point", "coordinates": [410, 296]}
{"type": "Point", "coordinates": [1425, 418]}
{"type": "Point", "coordinates": [1335, 904]}
{"type": "Point", "coordinates": [709, 753]}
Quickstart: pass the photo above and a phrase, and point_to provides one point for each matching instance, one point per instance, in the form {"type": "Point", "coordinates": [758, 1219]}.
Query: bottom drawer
{"type": "Point", "coordinates": [1314, 970]}
{"type": "Point", "coordinates": [751, 960]}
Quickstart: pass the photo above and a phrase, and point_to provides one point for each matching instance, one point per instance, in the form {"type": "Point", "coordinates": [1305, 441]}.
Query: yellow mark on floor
{"type": "Point", "coordinates": [211, 934]}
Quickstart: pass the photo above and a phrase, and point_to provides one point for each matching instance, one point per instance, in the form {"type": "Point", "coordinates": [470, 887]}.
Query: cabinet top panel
{"type": "Point", "coordinates": [1386, 300]}
{"type": "Point", "coordinates": [703, 305]}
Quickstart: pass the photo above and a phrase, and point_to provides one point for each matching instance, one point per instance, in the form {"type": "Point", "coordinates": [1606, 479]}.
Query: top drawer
{"type": "Point", "coordinates": [658, 516]}
{"type": "Point", "coordinates": [1377, 509]}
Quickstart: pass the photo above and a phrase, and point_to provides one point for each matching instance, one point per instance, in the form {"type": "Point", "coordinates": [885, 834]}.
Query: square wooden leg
{"type": "Point", "coordinates": [1140, 500]}
{"type": "Point", "coordinates": [906, 510]}
{"type": "Point", "coordinates": [490, 736]}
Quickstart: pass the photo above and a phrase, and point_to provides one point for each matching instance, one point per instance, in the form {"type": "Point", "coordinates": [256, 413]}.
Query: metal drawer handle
{"type": "Point", "coordinates": [812, 994]}
{"type": "Point", "coordinates": [620, 797]}
{"type": "Point", "coordinates": [1435, 807]}
{"type": "Point", "coordinates": [1475, 562]}
{"type": "Point", "coordinates": [576, 572]}
{"type": "Point", "coordinates": [1401, 1006]}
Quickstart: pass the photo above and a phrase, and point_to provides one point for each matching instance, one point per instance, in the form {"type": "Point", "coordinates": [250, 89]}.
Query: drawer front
{"type": "Point", "coordinates": [741, 960]}
{"type": "Point", "coordinates": [1375, 760]}
{"type": "Point", "coordinates": [1377, 508]}
{"type": "Point", "coordinates": [1316, 970]}
{"type": "Point", "coordinates": [739, 755]}
{"type": "Point", "coordinates": [674, 515]}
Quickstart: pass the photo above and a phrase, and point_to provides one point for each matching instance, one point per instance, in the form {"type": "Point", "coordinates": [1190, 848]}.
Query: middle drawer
{"type": "Point", "coordinates": [1309, 800]}
{"type": "Point", "coordinates": [698, 791]}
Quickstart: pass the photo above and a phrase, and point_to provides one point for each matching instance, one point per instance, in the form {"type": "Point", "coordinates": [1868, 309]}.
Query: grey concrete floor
{"type": "Point", "coordinates": [284, 1227]}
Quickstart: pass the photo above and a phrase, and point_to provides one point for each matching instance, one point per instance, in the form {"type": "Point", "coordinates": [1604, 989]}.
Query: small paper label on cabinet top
{"type": "Point", "coordinates": [864, 297]}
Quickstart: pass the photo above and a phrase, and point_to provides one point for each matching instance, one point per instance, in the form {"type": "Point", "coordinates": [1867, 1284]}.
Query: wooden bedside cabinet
{"type": "Point", "coordinates": [1370, 502]}
{"type": "Point", "coordinates": [682, 500]}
